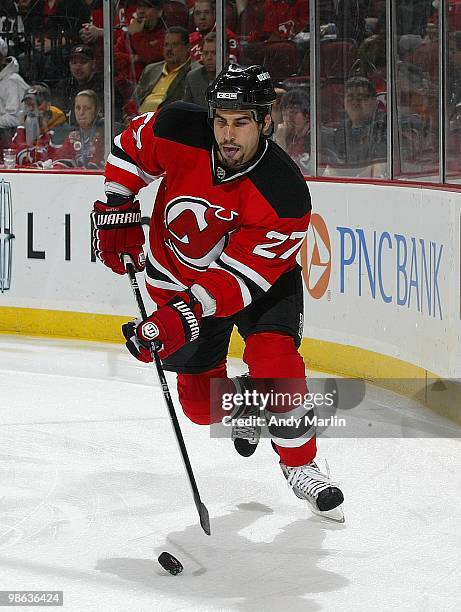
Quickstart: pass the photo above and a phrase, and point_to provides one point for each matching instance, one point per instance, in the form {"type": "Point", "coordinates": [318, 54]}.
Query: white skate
{"type": "Point", "coordinates": [323, 495]}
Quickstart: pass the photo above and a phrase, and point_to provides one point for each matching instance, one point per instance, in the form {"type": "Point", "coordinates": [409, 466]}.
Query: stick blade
{"type": "Point", "coordinates": [204, 518]}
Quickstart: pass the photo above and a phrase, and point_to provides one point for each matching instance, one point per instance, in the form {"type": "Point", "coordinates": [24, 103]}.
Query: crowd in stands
{"type": "Point", "coordinates": [52, 74]}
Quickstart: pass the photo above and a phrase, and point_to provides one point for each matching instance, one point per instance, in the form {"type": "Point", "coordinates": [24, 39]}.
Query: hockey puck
{"type": "Point", "coordinates": [170, 563]}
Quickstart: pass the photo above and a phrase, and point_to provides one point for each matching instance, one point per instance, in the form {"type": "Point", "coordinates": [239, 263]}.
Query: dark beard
{"type": "Point", "coordinates": [225, 164]}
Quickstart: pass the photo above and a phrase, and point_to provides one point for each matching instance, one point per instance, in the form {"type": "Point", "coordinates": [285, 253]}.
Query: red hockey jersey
{"type": "Point", "coordinates": [233, 233]}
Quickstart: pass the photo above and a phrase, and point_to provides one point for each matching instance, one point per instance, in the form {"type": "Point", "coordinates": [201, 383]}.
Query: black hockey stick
{"type": "Point", "coordinates": [201, 508]}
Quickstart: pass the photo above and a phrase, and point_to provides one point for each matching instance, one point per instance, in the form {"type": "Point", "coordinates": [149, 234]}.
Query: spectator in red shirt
{"type": "Point", "coordinates": [84, 146]}
{"type": "Point", "coordinates": [142, 43]}
{"type": "Point", "coordinates": [33, 138]}
{"type": "Point", "coordinates": [204, 15]}
{"type": "Point", "coordinates": [93, 31]}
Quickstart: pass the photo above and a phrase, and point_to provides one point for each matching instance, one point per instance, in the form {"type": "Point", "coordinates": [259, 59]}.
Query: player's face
{"type": "Point", "coordinates": [237, 134]}
{"type": "Point", "coordinates": [85, 111]}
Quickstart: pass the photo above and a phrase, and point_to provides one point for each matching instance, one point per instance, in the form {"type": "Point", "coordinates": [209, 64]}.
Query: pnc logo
{"type": "Point", "coordinates": [316, 257]}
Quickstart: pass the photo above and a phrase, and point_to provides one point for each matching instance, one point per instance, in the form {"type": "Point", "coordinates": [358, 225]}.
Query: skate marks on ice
{"type": "Point", "coordinates": [56, 488]}
{"type": "Point", "coordinates": [231, 572]}
{"type": "Point", "coordinates": [62, 507]}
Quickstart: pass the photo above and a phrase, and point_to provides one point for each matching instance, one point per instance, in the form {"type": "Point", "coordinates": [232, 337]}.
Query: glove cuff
{"type": "Point", "coordinates": [118, 199]}
{"type": "Point", "coordinates": [190, 310]}
{"type": "Point", "coordinates": [186, 308]}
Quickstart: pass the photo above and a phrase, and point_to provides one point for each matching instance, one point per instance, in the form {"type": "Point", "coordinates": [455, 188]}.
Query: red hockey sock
{"type": "Point", "coordinates": [274, 355]}
{"type": "Point", "coordinates": [298, 456]}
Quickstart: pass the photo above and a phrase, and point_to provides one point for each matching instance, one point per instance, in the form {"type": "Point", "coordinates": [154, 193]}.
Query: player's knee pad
{"type": "Point", "coordinates": [272, 354]}
{"type": "Point", "coordinates": [194, 394]}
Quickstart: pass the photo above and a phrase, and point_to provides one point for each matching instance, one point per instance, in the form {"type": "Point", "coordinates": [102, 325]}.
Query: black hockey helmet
{"type": "Point", "coordinates": [242, 88]}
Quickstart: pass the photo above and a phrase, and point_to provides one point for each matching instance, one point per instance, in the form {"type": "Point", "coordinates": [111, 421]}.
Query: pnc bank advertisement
{"type": "Point", "coordinates": [379, 275]}
{"type": "Point", "coordinates": [391, 267]}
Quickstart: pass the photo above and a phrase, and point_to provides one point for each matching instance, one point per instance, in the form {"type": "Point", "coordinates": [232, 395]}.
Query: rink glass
{"type": "Point", "coordinates": [411, 53]}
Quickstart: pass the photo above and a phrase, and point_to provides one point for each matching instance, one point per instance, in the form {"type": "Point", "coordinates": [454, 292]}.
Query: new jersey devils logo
{"type": "Point", "coordinates": [197, 230]}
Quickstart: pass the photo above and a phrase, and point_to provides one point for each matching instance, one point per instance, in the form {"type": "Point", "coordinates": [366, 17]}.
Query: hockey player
{"type": "Point", "coordinates": [229, 218]}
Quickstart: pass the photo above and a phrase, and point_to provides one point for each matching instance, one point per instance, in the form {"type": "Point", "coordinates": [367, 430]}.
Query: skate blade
{"type": "Point", "coordinates": [336, 515]}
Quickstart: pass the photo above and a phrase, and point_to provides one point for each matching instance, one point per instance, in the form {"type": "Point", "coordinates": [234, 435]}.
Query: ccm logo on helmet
{"type": "Point", "coordinates": [228, 95]}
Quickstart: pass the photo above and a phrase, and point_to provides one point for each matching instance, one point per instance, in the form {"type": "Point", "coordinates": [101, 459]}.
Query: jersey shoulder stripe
{"type": "Point", "coordinates": [117, 151]}
{"type": "Point", "coordinates": [185, 124]}
{"type": "Point", "coordinates": [280, 182]}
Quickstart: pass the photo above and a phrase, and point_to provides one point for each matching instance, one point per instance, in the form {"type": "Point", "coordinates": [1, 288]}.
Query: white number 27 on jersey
{"type": "Point", "coordinates": [266, 250]}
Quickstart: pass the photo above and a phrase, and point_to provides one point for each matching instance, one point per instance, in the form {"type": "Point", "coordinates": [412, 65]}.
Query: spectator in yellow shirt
{"type": "Point", "coordinates": [163, 82]}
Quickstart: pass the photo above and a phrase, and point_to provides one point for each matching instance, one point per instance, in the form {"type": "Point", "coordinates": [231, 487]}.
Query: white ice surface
{"type": "Point", "coordinates": [92, 490]}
